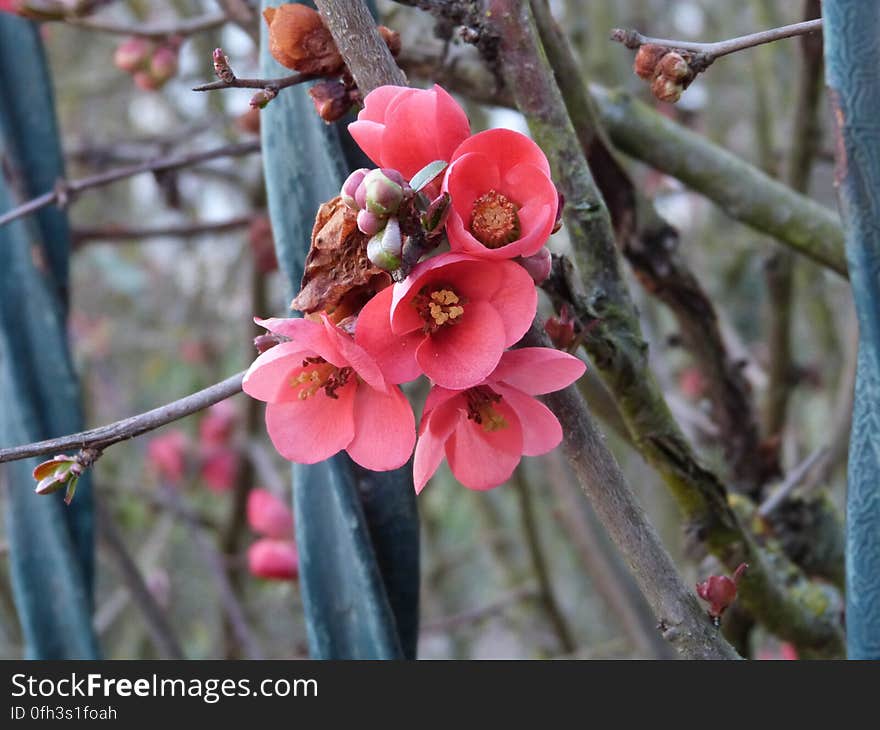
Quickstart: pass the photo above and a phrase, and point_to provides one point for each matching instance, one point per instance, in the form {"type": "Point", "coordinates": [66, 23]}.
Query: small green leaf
{"type": "Point", "coordinates": [427, 174]}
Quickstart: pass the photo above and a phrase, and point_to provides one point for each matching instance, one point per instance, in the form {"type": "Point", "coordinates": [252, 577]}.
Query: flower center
{"type": "Point", "coordinates": [438, 306]}
{"type": "Point", "coordinates": [494, 221]}
{"type": "Point", "coordinates": [481, 408]}
{"type": "Point", "coordinates": [319, 374]}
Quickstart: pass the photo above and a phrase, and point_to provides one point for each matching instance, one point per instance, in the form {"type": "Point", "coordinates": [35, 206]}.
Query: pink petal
{"type": "Point", "coordinates": [540, 428]}
{"type": "Point", "coordinates": [437, 396]}
{"type": "Point", "coordinates": [462, 355]}
{"type": "Point", "coordinates": [310, 335]}
{"type": "Point", "coordinates": [355, 356]}
{"type": "Point", "coordinates": [368, 136]}
{"type": "Point", "coordinates": [508, 147]}
{"type": "Point", "coordinates": [452, 125]}
{"type": "Point", "coordinates": [273, 559]}
{"type": "Point", "coordinates": [435, 430]}
{"type": "Point", "coordinates": [377, 101]}
{"type": "Point", "coordinates": [385, 430]}
{"type": "Point", "coordinates": [268, 376]}
{"type": "Point", "coordinates": [311, 430]}
{"type": "Point", "coordinates": [469, 177]}
{"type": "Point", "coordinates": [482, 459]}
{"type": "Point", "coordinates": [395, 354]}
{"type": "Point", "coordinates": [537, 370]}
{"type": "Point", "coordinates": [515, 300]}
{"type": "Point", "coordinates": [269, 515]}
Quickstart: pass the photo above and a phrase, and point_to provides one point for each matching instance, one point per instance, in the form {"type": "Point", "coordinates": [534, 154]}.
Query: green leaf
{"type": "Point", "coordinates": [427, 174]}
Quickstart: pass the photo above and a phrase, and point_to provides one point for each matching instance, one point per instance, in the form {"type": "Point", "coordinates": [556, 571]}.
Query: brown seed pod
{"type": "Point", "coordinates": [299, 40]}
{"type": "Point", "coordinates": [647, 59]}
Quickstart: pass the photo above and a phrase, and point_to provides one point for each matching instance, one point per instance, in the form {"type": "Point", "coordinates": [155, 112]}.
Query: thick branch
{"type": "Point", "coordinates": [103, 436]}
{"type": "Point", "coordinates": [620, 354]}
{"type": "Point", "coordinates": [711, 51]}
{"type": "Point", "coordinates": [65, 190]}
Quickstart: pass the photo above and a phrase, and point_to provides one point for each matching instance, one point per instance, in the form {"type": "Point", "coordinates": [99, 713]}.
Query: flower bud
{"type": "Point", "coordinates": [560, 329]}
{"type": "Point", "coordinates": [538, 265]}
{"type": "Point", "coordinates": [391, 38]}
{"type": "Point", "coordinates": [382, 194]}
{"type": "Point", "coordinates": [369, 223]}
{"type": "Point", "coordinates": [262, 98]}
{"type": "Point", "coordinates": [560, 205]}
{"type": "Point", "coordinates": [163, 64]}
{"type": "Point", "coordinates": [132, 54]}
{"type": "Point", "coordinates": [666, 89]}
{"type": "Point", "coordinates": [350, 186]}
{"type": "Point", "coordinates": [54, 474]}
{"type": "Point", "coordinates": [384, 248]}
{"type": "Point", "coordinates": [434, 218]}
{"type": "Point", "coordinates": [145, 81]}
{"type": "Point", "coordinates": [647, 59]}
{"type": "Point", "coordinates": [719, 591]}
{"type": "Point", "coordinates": [332, 100]}
{"type": "Point", "coordinates": [674, 67]}
{"type": "Point", "coordinates": [221, 67]}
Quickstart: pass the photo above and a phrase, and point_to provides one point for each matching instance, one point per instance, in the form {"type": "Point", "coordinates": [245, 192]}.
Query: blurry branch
{"type": "Point", "coordinates": [232, 607]}
{"type": "Point", "coordinates": [650, 245]}
{"type": "Point", "coordinates": [794, 479]}
{"type": "Point", "coordinates": [66, 190]}
{"type": "Point", "coordinates": [805, 136]}
{"type": "Point", "coordinates": [741, 190]}
{"type": "Point", "coordinates": [184, 27]}
{"type": "Point", "coordinates": [620, 354]}
{"type": "Point", "coordinates": [157, 622]}
{"type": "Point", "coordinates": [100, 438]}
{"type": "Point", "coordinates": [546, 594]}
{"type": "Point", "coordinates": [481, 613]}
{"type": "Point", "coordinates": [275, 84]}
{"type": "Point", "coordinates": [710, 51]}
{"type": "Point", "coordinates": [82, 236]}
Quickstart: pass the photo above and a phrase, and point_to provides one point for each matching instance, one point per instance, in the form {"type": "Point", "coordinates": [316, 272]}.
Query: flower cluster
{"type": "Point", "coordinates": [150, 64]}
{"type": "Point", "coordinates": [332, 381]}
{"type": "Point", "coordinates": [273, 555]}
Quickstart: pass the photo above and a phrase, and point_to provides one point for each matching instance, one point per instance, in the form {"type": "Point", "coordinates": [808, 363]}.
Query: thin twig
{"type": "Point", "coordinates": [481, 613]}
{"type": "Point", "coordinates": [65, 190]}
{"type": "Point", "coordinates": [795, 477]}
{"type": "Point", "coordinates": [184, 27]}
{"type": "Point", "coordinates": [103, 436]}
{"type": "Point", "coordinates": [280, 83]}
{"type": "Point", "coordinates": [181, 230]}
{"type": "Point", "coordinates": [711, 51]}
{"type": "Point", "coordinates": [156, 620]}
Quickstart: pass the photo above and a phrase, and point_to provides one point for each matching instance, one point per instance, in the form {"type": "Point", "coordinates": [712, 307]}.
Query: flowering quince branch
{"type": "Point", "coordinates": [228, 79]}
{"type": "Point", "coordinates": [66, 190]}
{"type": "Point", "coordinates": [671, 66]}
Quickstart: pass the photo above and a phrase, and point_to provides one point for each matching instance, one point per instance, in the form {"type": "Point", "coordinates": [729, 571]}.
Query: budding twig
{"type": "Point", "coordinates": [237, 83]}
{"type": "Point", "coordinates": [102, 437]}
{"type": "Point", "coordinates": [183, 27]}
{"type": "Point", "coordinates": [710, 51]}
{"type": "Point", "coordinates": [65, 190]}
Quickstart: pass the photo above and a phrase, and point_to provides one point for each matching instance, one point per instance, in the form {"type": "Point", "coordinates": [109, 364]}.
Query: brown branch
{"type": "Point", "coordinates": [280, 83]}
{"type": "Point", "coordinates": [710, 51]}
{"type": "Point", "coordinates": [182, 230]}
{"type": "Point", "coordinates": [184, 27]}
{"type": "Point", "coordinates": [102, 437]}
{"type": "Point", "coordinates": [65, 190]}
{"type": "Point", "coordinates": [481, 613]}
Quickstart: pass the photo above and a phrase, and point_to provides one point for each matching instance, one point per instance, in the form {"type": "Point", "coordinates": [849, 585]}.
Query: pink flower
{"type": "Point", "coordinates": [268, 515]}
{"type": "Point", "coordinates": [273, 559]}
{"type": "Point", "coordinates": [451, 318]}
{"type": "Point", "coordinates": [219, 467]}
{"type": "Point", "coordinates": [485, 430]}
{"type": "Point", "coordinates": [406, 129]}
{"type": "Point", "coordinates": [167, 455]}
{"type": "Point", "coordinates": [503, 200]}
{"type": "Point", "coordinates": [325, 394]}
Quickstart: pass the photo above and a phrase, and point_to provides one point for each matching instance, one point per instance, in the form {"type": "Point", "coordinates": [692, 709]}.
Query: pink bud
{"type": "Point", "coordinates": [385, 247]}
{"type": "Point", "coordinates": [221, 66]}
{"type": "Point", "coordinates": [163, 64]}
{"type": "Point", "coordinates": [133, 54]}
{"type": "Point", "coordinates": [273, 559]}
{"type": "Point", "coordinates": [538, 265]}
{"type": "Point", "coordinates": [219, 467]}
{"type": "Point", "coordinates": [268, 515]}
{"type": "Point", "coordinates": [262, 244]}
{"type": "Point", "coordinates": [719, 591]}
{"type": "Point", "coordinates": [382, 195]}
{"type": "Point", "coordinates": [350, 186]}
{"type": "Point", "coordinates": [218, 424]}
{"type": "Point", "coordinates": [369, 223]}
{"type": "Point", "coordinates": [143, 80]}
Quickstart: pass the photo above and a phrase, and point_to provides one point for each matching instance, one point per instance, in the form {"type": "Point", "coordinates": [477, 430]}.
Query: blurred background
{"type": "Point", "coordinates": [523, 571]}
